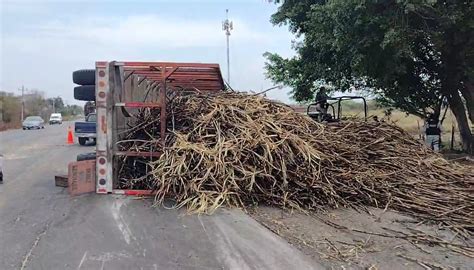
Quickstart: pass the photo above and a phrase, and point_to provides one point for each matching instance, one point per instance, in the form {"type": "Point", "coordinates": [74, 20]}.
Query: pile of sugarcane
{"type": "Point", "coordinates": [238, 150]}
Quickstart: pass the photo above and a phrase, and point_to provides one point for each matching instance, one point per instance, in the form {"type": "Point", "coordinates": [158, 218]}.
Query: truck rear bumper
{"type": "Point", "coordinates": [86, 135]}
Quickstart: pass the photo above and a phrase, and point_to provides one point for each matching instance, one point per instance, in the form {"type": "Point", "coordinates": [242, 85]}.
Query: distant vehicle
{"type": "Point", "coordinates": [33, 122]}
{"type": "Point", "coordinates": [86, 130]}
{"type": "Point", "coordinates": [55, 118]}
{"type": "Point", "coordinates": [320, 112]}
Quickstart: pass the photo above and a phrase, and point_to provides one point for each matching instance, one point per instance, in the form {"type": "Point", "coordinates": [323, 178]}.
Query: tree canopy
{"type": "Point", "coordinates": [410, 54]}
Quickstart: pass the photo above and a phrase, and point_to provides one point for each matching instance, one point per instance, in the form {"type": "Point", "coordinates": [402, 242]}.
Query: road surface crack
{"type": "Point", "coordinates": [28, 255]}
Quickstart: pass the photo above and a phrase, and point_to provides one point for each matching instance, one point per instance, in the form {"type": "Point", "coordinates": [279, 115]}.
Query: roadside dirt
{"type": "Point", "coordinates": [6, 126]}
{"type": "Point", "coordinates": [462, 158]}
{"type": "Point", "coordinates": [347, 239]}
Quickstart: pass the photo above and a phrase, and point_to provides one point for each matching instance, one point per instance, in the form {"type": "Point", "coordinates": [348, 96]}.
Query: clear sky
{"type": "Point", "coordinates": [43, 41]}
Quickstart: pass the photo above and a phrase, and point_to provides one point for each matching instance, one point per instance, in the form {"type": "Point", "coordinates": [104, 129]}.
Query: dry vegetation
{"type": "Point", "coordinates": [238, 150]}
{"type": "Point", "coordinates": [410, 123]}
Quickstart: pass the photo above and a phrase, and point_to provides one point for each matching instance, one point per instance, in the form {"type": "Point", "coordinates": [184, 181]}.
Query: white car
{"type": "Point", "coordinates": [55, 118]}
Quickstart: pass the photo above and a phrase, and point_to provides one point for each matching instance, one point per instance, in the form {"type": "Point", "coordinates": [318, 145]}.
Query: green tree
{"type": "Point", "coordinates": [409, 53]}
{"type": "Point", "coordinates": [10, 109]}
{"type": "Point", "coordinates": [56, 104]}
{"type": "Point", "coordinates": [72, 110]}
{"type": "Point", "coordinates": [36, 104]}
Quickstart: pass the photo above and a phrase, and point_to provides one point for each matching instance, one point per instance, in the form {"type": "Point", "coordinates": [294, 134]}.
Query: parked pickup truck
{"type": "Point", "coordinates": [85, 131]}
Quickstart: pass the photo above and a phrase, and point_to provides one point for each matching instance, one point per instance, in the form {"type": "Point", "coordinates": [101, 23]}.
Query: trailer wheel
{"type": "Point", "coordinates": [86, 156]}
{"type": "Point", "coordinates": [82, 140]}
{"type": "Point", "coordinates": [85, 92]}
{"type": "Point", "coordinates": [84, 77]}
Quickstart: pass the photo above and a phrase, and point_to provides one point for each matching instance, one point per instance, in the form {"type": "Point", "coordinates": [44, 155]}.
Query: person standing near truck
{"type": "Point", "coordinates": [1, 169]}
{"type": "Point", "coordinates": [89, 108]}
{"type": "Point", "coordinates": [433, 132]}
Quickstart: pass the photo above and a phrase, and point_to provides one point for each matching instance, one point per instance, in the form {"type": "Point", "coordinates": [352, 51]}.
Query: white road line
{"type": "Point", "coordinates": [82, 260]}
{"type": "Point", "coordinates": [27, 257]}
{"type": "Point", "coordinates": [120, 222]}
{"type": "Point", "coordinates": [204, 228]}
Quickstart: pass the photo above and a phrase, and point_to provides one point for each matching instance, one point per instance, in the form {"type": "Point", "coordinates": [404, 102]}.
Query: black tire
{"type": "Point", "coordinates": [86, 156]}
{"type": "Point", "coordinates": [85, 92]}
{"type": "Point", "coordinates": [84, 77]}
{"type": "Point", "coordinates": [82, 140]}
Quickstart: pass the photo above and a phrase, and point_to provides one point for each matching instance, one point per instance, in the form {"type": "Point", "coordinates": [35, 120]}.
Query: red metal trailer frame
{"type": "Point", "coordinates": [117, 83]}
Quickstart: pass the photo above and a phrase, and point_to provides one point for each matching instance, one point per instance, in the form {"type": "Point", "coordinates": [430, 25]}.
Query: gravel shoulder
{"type": "Point", "coordinates": [348, 239]}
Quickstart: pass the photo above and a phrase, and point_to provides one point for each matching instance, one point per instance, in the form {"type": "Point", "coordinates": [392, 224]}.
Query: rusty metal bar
{"type": "Point", "coordinates": [169, 73]}
{"type": "Point", "coordinates": [137, 154]}
{"type": "Point", "coordinates": [134, 192]}
{"type": "Point", "coordinates": [138, 105]}
{"type": "Point", "coordinates": [168, 64]}
{"type": "Point", "coordinates": [163, 106]}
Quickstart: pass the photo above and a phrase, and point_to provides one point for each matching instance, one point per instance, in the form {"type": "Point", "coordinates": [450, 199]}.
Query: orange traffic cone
{"type": "Point", "coordinates": [70, 139]}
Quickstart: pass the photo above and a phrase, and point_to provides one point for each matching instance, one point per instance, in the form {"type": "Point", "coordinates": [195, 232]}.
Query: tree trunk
{"type": "Point", "coordinates": [457, 107]}
{"type": "Point", "coordinates": [468, 93]}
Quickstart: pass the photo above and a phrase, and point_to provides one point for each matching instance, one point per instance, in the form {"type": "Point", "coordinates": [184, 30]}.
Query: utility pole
{"type": "Point", "coordinates": [22, 103]}
{"type": "Point", "coordinates": [227, 27]}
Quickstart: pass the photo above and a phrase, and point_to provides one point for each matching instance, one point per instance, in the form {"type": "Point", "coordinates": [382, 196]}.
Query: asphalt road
{"type": "Point", "coordinates": [42, 227]}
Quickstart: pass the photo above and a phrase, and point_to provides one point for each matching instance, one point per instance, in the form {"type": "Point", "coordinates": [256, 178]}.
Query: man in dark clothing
{"type": "Point", "coordinates": [1, 170]}
{"type": "Point", "coordinates": [322, 104]}
{"type": "Point", "coordinates": [321, 96]}
{"type": "Point", "coordinates": [89, 107]}
{"type": "Point", "coordinates": [433, 132]}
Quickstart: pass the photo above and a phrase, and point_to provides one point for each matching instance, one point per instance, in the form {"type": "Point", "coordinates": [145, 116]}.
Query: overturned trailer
{"type": "Point", "coordinates": [124, 88]}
